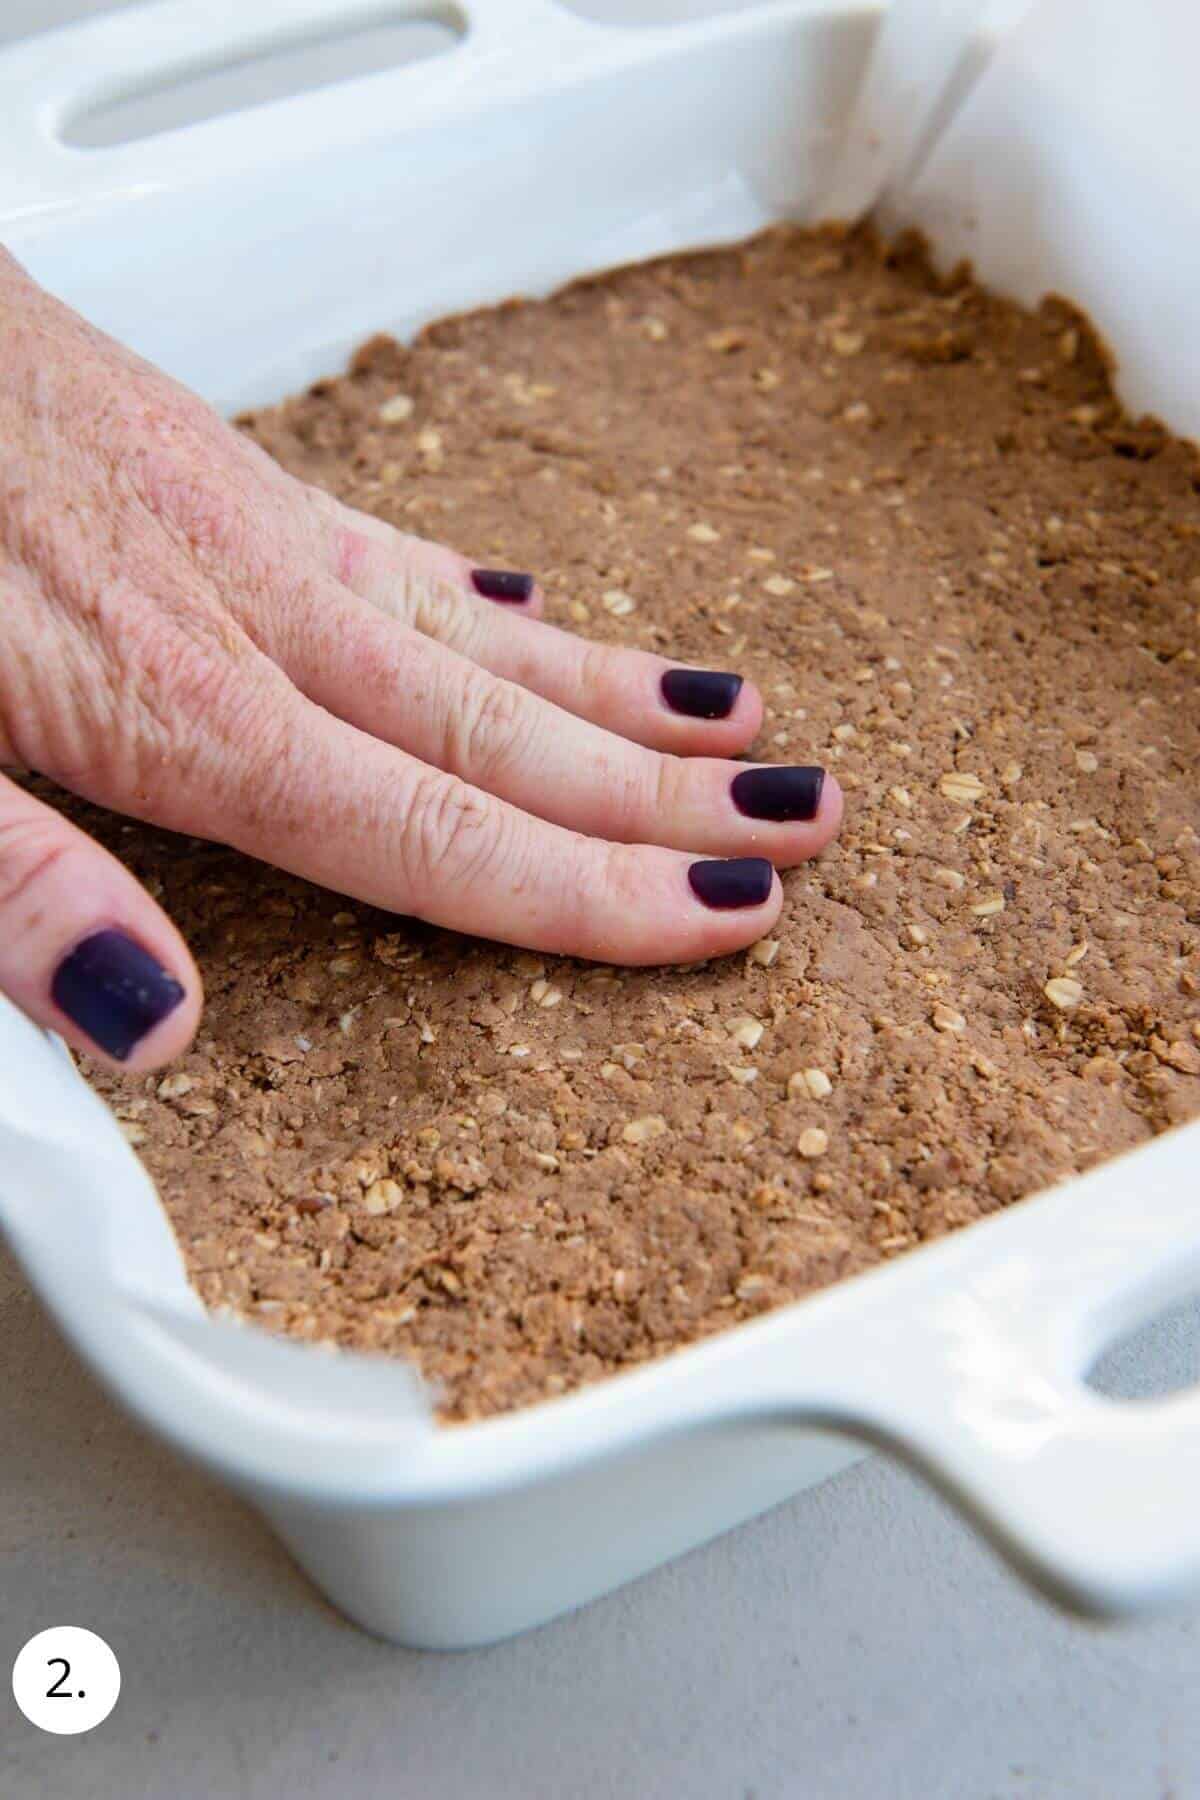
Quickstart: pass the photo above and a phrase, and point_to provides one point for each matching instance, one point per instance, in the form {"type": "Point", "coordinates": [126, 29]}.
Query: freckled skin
{"type": "Point", "coordinates": [192, 636]}
{"type": "Point", "coordinates": [352, 549]}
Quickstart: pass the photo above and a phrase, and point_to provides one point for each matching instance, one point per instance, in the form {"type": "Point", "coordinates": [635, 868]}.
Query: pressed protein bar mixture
{"type": "Point", "coordinates": [916, 516]}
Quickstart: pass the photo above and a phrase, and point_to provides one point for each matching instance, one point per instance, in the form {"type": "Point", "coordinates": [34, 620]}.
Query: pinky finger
{"type": "Point", "coordinates": [83, 947]}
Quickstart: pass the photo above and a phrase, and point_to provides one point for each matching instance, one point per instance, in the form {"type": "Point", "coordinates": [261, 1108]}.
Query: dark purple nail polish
{"type": "Point", "coordinates": [779, 794]}
{"type": "Point", "coordinates": [741, 881]}
{"type": "Point", "coordinates": [701, 693]}
{"type": "Point", "coordinates": [501, 584]}
{"type": "Point", "coordinates": [114, 990]}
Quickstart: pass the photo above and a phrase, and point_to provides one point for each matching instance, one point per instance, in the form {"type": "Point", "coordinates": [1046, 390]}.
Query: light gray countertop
{"type": "Point", "coordinates": [856, 1642]}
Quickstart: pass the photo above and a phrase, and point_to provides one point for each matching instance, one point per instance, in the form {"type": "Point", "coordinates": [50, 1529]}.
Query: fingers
{"type": "Point", "coordinates": [340, 808]}
{"type": "Point", "coordinates": [83, 948]}
{"type": "Point", "coordinates": [443, 709]}
{"type": "Point", "coordinates": [491, 617]}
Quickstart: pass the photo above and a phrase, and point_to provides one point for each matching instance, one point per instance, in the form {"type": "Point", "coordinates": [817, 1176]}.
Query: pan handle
{"type": "Point", "coordinates": [975, 1374]}
{"type": "Point", "coordinates": [54, 77]}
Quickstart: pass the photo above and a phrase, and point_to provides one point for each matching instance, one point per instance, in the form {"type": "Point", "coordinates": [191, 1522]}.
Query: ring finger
{"type": "Point", "coordinates": [492, 616]}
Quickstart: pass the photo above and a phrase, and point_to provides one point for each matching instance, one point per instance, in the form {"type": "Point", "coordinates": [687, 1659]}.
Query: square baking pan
{"type": "Point", "coordinates": [249, 253]}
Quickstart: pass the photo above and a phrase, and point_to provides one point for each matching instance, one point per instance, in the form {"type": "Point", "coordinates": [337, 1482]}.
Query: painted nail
{"type": "Point", "coordinates": [701, 693]}
{"type": "Point", "coordinates": [778, 793]}
{"type": "Point", "coordinates": [741, 881]}
{"type": "Point", "coordinates": [501, 584]}
{"type": "Point", "coordinates": [114, 990]}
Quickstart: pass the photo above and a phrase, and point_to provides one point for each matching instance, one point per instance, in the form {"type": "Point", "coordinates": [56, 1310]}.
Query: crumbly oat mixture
{"type": "Point", "coordinates": [916, 517]}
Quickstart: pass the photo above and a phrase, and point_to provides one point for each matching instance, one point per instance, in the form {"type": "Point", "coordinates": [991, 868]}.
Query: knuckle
{"type": "Point", "coordinates": [399, 574]}
{"type": "Point", "coordinates": [644, 787]}
{"type": "Point", "coordinates": [638, 788]}
{"type": "Point", "coordinates": [176, 675]}
{"type": "Point", "coordinates": [620, 877]}
{"type": "Point", "coordinates": [487, 728]}
{"type": "Point", "coordinates": [325, 504]}
{"type": "Point", "coordinates": [32, 847]}
{"type": "Point", "coordinates": [352, 552]}
{"type": "Point", "coordinates": [436, 607]}
{"type": "Point", "coordinates": [665, 778]}
{"type": "Point", "coordinates": [206, 514]}
{"type": "Point", "coordinates": [156, 702]}
{"type": "Point", "coordinates": [601, 678]}
{"type": "Point", "coordinates": [602, 890]}
{"type": "Point", "coordinates": [451, 832]}
{"type": "Point", "coordinates": [175, 692]}
{"type": "Point", "coordinates": [262, 782]}
{"type": "Point", "coordinates": [238, 751]}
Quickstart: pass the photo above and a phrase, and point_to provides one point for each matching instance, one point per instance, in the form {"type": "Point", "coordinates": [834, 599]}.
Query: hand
{"type": "Point", "coordinates": [193, 637]}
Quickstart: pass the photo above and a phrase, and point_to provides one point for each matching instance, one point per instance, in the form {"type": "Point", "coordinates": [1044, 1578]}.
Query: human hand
{"type": "Point", "coordinates": [193, 637]}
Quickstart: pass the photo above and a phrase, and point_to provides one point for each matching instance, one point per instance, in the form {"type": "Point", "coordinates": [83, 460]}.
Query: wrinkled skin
{"type": "Point", "coordinates": [191, 636]}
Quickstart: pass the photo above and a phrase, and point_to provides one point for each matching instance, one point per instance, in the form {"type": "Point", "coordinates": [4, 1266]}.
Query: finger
{"type": "Point", "coordinates": [663, 704]}
{"type": "Point", "coordinates": [83, 948]}
{"type": "Point", "coordinates": [372, 558]}
{"type": "Point", "coordinates": [445, 710]}
{"type": "Point", "coordinates": [314, 795]}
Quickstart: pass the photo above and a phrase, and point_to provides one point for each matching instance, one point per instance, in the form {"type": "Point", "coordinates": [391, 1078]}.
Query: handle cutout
{"type": "Point", "coordinates": [233, 80]}
{"type": "Point", "coordinates": [1159, 1358]}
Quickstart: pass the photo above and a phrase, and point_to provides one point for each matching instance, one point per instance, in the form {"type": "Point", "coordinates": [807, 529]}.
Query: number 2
{"type": "Point", "coordinates": [56, 1692]}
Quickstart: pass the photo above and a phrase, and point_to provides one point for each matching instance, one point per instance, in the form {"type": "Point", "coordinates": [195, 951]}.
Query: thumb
{"type": "Point", "coordinates": [83, 948]}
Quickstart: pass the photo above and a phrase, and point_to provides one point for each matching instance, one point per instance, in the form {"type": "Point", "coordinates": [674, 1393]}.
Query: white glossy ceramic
{"type": "Point", "coordinates": [249, 253]}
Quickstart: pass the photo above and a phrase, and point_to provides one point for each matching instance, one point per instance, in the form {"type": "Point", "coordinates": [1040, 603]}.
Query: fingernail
{"type": "Point", "coordinates": [114, 990]}
{"type": "Point", "coordinates": [501, 584]}
{"type": "Point", "coordinates": [778, 793]}
{"type": "Point", "coordinates": [741, 881]}
{"type": "Point", "coordinates": [701, 693]}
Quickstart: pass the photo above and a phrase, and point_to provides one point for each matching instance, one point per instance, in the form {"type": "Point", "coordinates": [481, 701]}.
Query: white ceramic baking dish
{"type": "Point", "coordinates": [246, 255]}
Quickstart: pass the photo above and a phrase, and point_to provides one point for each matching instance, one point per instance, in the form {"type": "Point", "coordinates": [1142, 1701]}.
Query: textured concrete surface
{"type": "Point", "coordinates": [857, 1642]}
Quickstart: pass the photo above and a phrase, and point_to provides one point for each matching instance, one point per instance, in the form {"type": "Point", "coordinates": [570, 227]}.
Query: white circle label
{"type": "Point", "coordinates": [66, 1679]}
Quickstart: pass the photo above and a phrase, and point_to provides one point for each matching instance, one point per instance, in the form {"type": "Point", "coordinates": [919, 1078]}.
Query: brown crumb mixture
{"type": "Point", "coordinates": [916, 516]}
